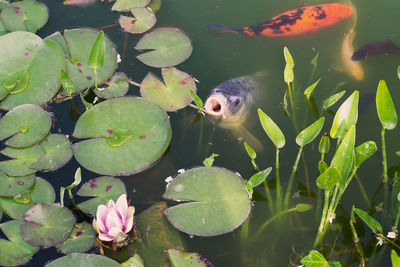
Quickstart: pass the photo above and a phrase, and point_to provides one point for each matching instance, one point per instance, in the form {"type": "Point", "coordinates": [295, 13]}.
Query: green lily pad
{"type": "Point", "coordinates": [12, 186]}
{"type": "Point", "coordinates": [154, 5]}
{"type": "Point", "coordinates": [3, 30]}
{"type": "Point", "coordinates": [79, 42]}
{"type": "Point", "coordinates": [47, 225]}
{"type": "Point", "coordinates": [144, 19]}
{"type": "Point", "coordinates": [17, 82]}
{"type": "Point", "coordinates": [157, 235]}
{"type": "Point", "coordinates": [41, 192]}
{"type": "Point", "coordinates": [27, 124]}
{"type": "Point", "coordinates": [23, 158]}
{"type": "Point", "coordinates": [22, 52]}
{"type": "Point", "coordinates": [170, 47]}
{"type": "Point", "coordinates": [183, 258]}
{"type": "Point", "coordinates": [216, 201]}
{"type": "Point", "coordinates": [59, 39]}
{"type": "Point", "coordinates": [135, 261]}
{"type": "Point", "coordinates": [148, 123]}
{"type": "Point", "coordinates": [16, 251]}
{"type": "Point", "coordinates": [126, 5]}
{"type": "Point", "coordinates": [116, 87]}
{"type": "Point", "coordinates": [26, 15]}
{"type": "Point", "coordinates": [173, 94]}
{"type": "Point", "coordinates": [57, 152]}
{"type": "Point", "coordinates": [87, 260]}
{"type": "Point", "coordinates": [81, 239]}
{"type": "Point", "coordinates": [3, 4]}
{"type": "Point", "coordinates": [102, 189]}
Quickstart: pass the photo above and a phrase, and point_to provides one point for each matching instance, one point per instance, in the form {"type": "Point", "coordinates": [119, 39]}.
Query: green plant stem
{"type": "Point", "coordinates": [278, 186]}
{"type": "Point", "coordinates": [323, 219]}
{"type": "Point", "coordinates": [134, 83]}
{"type": "Point", "coordinates": [95, 77]}
{"type": "Point", "coordinates": [357, 243]}
{"type": "Point", "coordinates": [289, 188]}
{"type": "Point", "coordinates": [388, 240]}
{"type": "Point", "coordinates": [384, 162]}
{"type": "Point", "coordinates": [273, 218]}
{"type": "Point", "coordinates": [269, 196]}
{"type": "Point", "coordinates": [71, 197]}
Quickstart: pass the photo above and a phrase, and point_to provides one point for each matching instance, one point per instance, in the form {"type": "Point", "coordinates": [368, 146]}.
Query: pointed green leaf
{"type": "Point", "coordinates": [288, 72]}
{"type": "Point", "coordinates": [250, 151]}
{"type": "Point", "coordinates": [385, 107]}
{"type": "Point", "coordinates": [322, 166]}
{"type": "Point", "coordinates": [395, 259]}
{"type": "Point", "coordinates": [310, 133]}
{"type": "Point", "coordinates": [208, 162]}
{"type": "Point", "coordinates": [324, 144]}
{"type": "Point", "coordinates": [364, 151]}
{"type": "Point", "coordinates": [259, 177]}
{"type": "Point", "coordinates": [197, 100]}
{"type": "Point", "coordinates": [374, 225]}
{"type": "Point", "coordinates": [314, 259]}
{"type": "Point", "coordinates": [96, 57]}
{"type": "Point", "coordinates": [330, 101]}
{"type": "Point", "coordinates": [303, 207]}
{"type": "Point", "coordinates": [311, 88]}
{"type": "Point", "coordinates": [328, 179]}
{"type": "Point", "coordinates": [272, 130]}
{"type": "Point", "coordinates": [346, 114]}
{"type": "Point", "coordinates": [67, 83]}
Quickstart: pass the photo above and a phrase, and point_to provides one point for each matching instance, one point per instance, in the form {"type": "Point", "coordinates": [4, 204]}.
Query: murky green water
{"type": "Point", "coordinates": [221, 56]}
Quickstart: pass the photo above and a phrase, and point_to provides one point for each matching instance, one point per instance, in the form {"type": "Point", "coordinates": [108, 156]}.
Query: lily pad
{"type": "Point", "coordinates": [59, 39]}
{"type": "Point", "coordinates": [154, 5]}
{"type": "Point", "coordinates": [26, 15]}
{"type": "Point", "coordinates": [3, 4]}
{"type": "Point", "coordinates": [41, 192]}
{"type": "Point", "coordinates": [183, 258]}
{"type": "Point", "coordinates": [146, 122]}
{"type": "Point", "coordinates": [47, 225]}
{"type": "Point", "coordinates": [144, 19]}
{"type": "Point", "coordinates": [12, 186]}
{"type": "Point", "coordinates": [126, 5]}
{"type": "Point", "coordinates": [57, 152]}
{"type": "Point", "coordinates": [173, 94]}
{"type": "Point", "coordinates": [87, 260]}
{"type": "Point", "coordinates": [216, 201]}
{"type": "Point", "coordinates": [2, 29]}
{"type": "Point", "coordinates": [23, 158]}
{"type": "Point", "coordinates": [26, 124]}
{"type": "Point", "coordinates": [16, 251]}
{"type": "Point", "coordinates": [169, 47]}
{"type": "Point", "coordinates": [42, 59]}
{"type": "Point", "coordinates": [102, 189]}
{"type": "Point", "coordinates": [81, 239]}
{"type": "Point", "coordinates": [116, 87]}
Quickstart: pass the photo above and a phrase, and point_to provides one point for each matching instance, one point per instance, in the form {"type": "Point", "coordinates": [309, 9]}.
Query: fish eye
{"type": "Point", "coordinates": [237, 102]}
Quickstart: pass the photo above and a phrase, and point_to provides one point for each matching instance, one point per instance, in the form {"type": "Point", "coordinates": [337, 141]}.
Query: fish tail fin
{"type": "Point", "coordinates": [222, 28]}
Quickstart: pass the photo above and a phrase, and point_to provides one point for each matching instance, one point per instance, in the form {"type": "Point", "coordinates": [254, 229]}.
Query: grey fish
{"type": "Point", "coordinates": [372, 49]}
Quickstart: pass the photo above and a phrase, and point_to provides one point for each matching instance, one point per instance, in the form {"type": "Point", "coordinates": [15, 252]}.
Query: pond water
{"type": "Point", "coordinates": [218, 57]}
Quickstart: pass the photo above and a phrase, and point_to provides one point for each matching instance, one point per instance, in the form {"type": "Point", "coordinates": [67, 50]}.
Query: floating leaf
{"type": "Point", "coordinates": [148, 123]}
{"type": "Point", "coordinates": [259, 177]}
{"type": "Point", "coordinates": [385, 107]}
{"type": "Point", "coordinates": [116, 87]}
{"type": "Point", "coordinates": [16, 251]}
{"type": "Point", "coordinates": [96, 56]}
{"type": "Point", "coordinates": [158, 235]}
{"type": "Point", "coordinates": [346, 115]}
{"type": "Point", "coordinates": [328, 179]}
{"type": "Point", "coordinates": [12, 186]}
{"type": "Point", "coordinates": [216, 201]}
{"type": "Point", "coordinates": [330, 101]}
{"type": "Point", "coordinates": [208, 162]}
{"type": "Point", "coordinates": [3, 30]}
{"type": "Point", "coordinates": [311, 88]}
{"type": "Point", "coordinates": [135, 261]}
{"type": "Point", "coordinates": [365, 151]}
{"type": "Point", "coordinates": [126, 5]}
{"type": "Point", "coordinates": [310, 133]}
{"type": "Point", "coordinates": [59, 39]}
{"type": "Point", "coordinates": [181, 258]}
{"type": "Point", "coordinates": [144, 19]}
{"type": "Point", "coordinates": [343, 158]}
{"type": "Point", "coordinates": [3, 4]}
{"type": "Point", "coordinates": [81, 239]}
{"type": "Point", "coordinates": [26, 124]}
{"type": "Point", "coordinates": [272, 130]}
{"type": "Point", "coordinates": [324, 144]}
{"type": "Point", "coordinates": [26, 15]}
{"type": "Point", "coordinates": [371, 222]}
{"type": "Point", "coordinates": [41, 192]}
{"type": "Point", "coordinates": [42, 59]}
{"type": "Point", "coordinates": [23, 158]}
{"type": "Point", "coordinates": [173, 94]}
{"type": "Point", "coordinates": [395, 259]}
{"type": "Point", "coordinates": [102, 189]}
{"type": "Point", "coordinates": [57, 152]}
{"type": "Point", "coordinates": [87, 260]}
{"type": "Point", "coordinates": [47, 225]}
{"type": "Point", "coordinates": [170, 47]}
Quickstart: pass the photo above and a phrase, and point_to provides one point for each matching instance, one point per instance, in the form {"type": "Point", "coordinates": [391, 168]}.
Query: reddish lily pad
{"type": "Point", "coordinates": [183, 258]}
{"type": "Point", "coordinates": [81, 239]}
{"type": "Point", "coordinates": [173, 94]}
{"type": "Point", "coordinates": [144, 19]}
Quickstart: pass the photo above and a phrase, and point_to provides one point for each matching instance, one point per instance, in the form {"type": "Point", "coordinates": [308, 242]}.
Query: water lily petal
{"type": "Point", "coordinates": [114, 231]}
{"type": "Point", "coordinates": [110, 204]}
{"type": "Point", "coordinates": [101, 216]}
{"type": "Point", "coordinates": [113, 220]}
{"type": "Point", "coordinates": [96, 229]}
{"type": "Point", "coordinates": [122, 208]}
{"type": "Point", "coordinates": [129, 219]}
{"type": "Point", "coordinates": [105, 237]}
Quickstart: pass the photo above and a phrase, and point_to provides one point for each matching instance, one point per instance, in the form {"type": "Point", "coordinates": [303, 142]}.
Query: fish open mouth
{"type": "Point", "coordinates": [216, 105]}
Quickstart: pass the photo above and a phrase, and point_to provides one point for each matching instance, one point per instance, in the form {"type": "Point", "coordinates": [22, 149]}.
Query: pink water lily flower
{"type": "Point", "coordinates": [113, 219]}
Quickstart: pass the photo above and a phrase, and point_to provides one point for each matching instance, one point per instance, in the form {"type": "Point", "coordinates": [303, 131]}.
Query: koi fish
{"type": "Point", "coordinates": [383, 47]}
{"type": "Point", "coordinates": [304, 19]}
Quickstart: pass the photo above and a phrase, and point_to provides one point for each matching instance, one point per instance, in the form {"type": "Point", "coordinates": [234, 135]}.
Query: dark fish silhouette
{"type": "Point", "coordinates": [383, 47]}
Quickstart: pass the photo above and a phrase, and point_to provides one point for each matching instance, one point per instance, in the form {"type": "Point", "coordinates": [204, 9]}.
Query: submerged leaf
{"type": "Point", "coordinates": [271, 129]}
{"type": "Point", "coordinates": [385, 107]}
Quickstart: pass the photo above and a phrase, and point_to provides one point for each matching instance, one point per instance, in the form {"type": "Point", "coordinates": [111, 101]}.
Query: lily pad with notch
{"type": "Point", "coordinates": [26, 15]}
{"type": "Point", "coordinates": [128, 135]}
{"type": "Point", "coordinates": [144, 19]}
{"type": "Point", "coordinates": [173, 94]}
{"type": "Point", "coordinates": [81, 239]}
{"type": "Point", "coordinates": [126, 5]}
{"type": "Point", "coordinates": [29, 69]}
{"type": "Point", "coordinates": [80, 259]}
{"type": "Point", "coordinates": [11, 186]}
{"type": "Point", "coordinates": [169, 47]}
{"type": "Point", "coordinates": [15, 251]}
{"type": "Point", "coordinates": [216, 201]}
{"type": "Point", "coordinates": [183, 258]}
{"type": "Point", "coordinates": [102, 189]}
{"type": "Point", "coordinates": [41, 192]}
{"type": "Point", "coordinates": [47, 225]}
{"type": "Point", "coordinates": [26, 125]}
{"type": "Point", "coordinates": [116, 87]}
{"type": "Point", "coordinates": [22, 160]}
